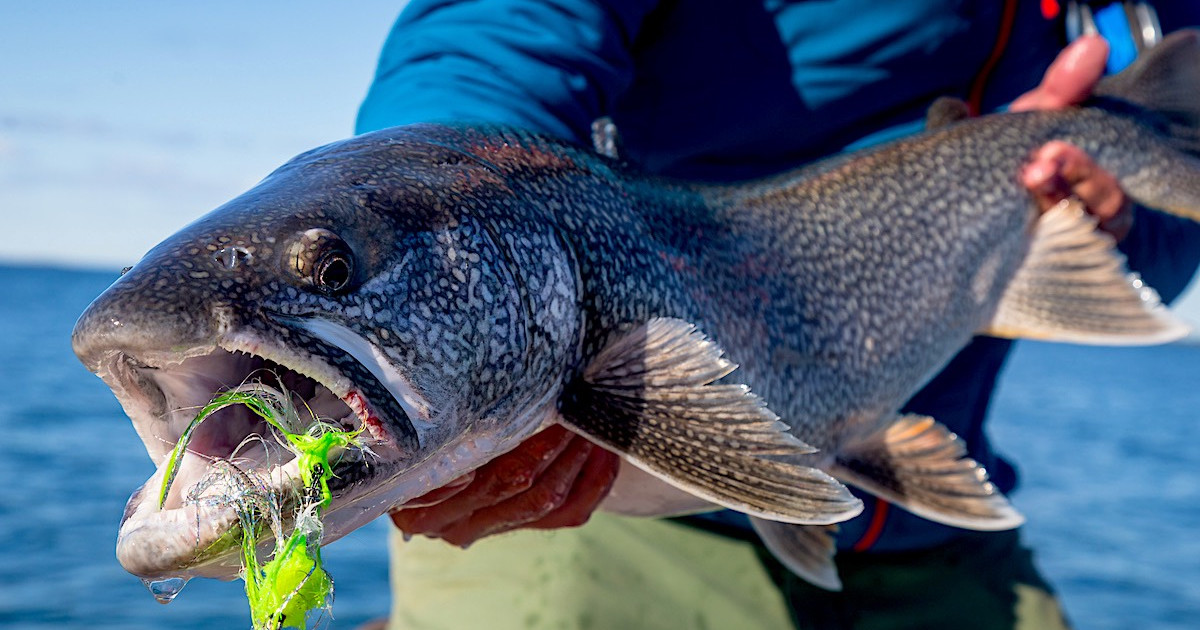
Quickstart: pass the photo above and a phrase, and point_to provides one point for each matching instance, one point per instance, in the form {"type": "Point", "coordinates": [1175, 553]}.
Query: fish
{"type": "Point", "coordinates": [448, 289]}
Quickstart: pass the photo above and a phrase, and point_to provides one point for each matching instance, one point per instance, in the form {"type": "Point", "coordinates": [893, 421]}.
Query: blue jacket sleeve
{"type": "Point", "coordinates": [551, 66]}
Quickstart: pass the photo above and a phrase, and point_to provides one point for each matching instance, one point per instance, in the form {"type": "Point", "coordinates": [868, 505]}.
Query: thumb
{"type": "Point", "coordinates": [1070, 79]}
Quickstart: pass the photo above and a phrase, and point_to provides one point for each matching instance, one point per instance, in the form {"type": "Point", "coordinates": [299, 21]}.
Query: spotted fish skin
{"type": "Point", "coordinates": [838, 289]}
{"type": "Point", "coordinates": [458, 286]}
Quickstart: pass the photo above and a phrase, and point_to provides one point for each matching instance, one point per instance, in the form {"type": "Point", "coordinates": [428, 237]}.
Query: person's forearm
{"type": "Point", "coordinates": [551, 67]}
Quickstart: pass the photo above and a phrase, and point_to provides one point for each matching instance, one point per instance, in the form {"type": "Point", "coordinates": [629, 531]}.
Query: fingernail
{"type": "Point", "coordinates": [1037, 176]}
{"type": "Point", "coordinates": [1048, 188]}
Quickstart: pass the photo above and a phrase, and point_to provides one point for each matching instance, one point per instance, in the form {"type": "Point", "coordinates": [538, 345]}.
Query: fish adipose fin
{"type": "Point", "coordinates": [1073, 286]}
{"type": "Point", "coordinates": [946, 110]}
{"type": "Point", "coordinates": [806, 550]}
{"type": "Point", "coordinates": [917, 463]}
{"type": "Point", "coordinates": [650, 395]}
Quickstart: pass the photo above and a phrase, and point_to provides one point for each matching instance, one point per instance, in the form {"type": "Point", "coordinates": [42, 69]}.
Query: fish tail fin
{"type": "Point", "coordinates": [1159, 90]}
{"type": "Point", "coordinates": [917, 463]}
{"type": "Point", "coordinates": [1164, 82]}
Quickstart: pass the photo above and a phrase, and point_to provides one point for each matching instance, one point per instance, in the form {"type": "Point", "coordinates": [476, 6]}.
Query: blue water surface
{"type": "Point", "coordinates": [1106, 440]}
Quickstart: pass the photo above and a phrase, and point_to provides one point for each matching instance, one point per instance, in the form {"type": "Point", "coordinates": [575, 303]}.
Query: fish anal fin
{"type": "Point", "coordinates": [650, 396]}
{"type": "Point", "coordinates": [1073, 286]}
{"type": "Point", "coordinates": [917, 463]}
{"type": "Point", "coordinates": [806, 550]}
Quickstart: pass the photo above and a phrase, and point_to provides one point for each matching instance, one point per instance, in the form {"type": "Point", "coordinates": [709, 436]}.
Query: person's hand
{"type": "Point", "coordinates": [1059, 170]}
{"type": "Point", "coordinates": [553, 479]}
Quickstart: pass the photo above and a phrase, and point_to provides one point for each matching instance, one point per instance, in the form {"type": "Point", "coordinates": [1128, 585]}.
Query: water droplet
{"type": "Point", "coordinates": [165, 590]}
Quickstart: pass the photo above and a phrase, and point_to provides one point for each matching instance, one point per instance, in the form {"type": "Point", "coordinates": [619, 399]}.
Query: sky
{"type": "Point", "coordinates": [122, 121]}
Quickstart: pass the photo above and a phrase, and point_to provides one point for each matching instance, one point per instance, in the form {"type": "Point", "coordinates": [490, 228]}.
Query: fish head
{"type": "Point", "coordinates": [388, 284]}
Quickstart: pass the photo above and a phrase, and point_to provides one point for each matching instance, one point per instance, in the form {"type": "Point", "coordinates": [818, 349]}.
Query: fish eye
{"type": "Point", "coordinates": [322, 260]}
{"type": "Point", "coordinates": [332, 272]}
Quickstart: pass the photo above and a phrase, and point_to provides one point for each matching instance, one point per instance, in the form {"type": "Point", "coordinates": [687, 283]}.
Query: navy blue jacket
{"type": "Point", "coordinates": [730, 89]}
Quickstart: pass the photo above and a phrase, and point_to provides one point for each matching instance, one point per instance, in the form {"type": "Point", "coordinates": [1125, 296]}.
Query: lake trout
{"type": "Point", "coordinates": [449, 289]}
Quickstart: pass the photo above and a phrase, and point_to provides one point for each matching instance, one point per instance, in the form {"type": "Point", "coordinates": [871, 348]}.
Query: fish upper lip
{"type": "Point", "coordinates": [195, 534]}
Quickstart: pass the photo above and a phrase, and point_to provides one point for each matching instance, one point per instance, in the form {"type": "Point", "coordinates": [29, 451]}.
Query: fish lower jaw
{"type": "Point", "coordinates": [201, 533]}
{"type": "Point", "coordinates": [237, 468]}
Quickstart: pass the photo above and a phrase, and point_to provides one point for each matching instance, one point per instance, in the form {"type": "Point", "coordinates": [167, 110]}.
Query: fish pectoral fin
{"type": "Point", "coordinates": [917, 463]}
{"type": "Point", "coordinates": [806, 550]}
{"type": "Point", "coordinates": [1073, 286]}
{"type": "Point", "coordinates": [650, 396]}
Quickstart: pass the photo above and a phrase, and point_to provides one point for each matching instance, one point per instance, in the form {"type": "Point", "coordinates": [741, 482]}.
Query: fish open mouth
{"type": "Point", "coordinates": [232, 454]}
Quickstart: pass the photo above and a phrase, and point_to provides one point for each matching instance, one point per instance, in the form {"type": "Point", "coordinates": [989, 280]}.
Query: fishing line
{"type": "Point", "coordinates": [284, 591]}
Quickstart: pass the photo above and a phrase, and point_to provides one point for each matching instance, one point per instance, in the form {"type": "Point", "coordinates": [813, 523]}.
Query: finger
{"type": "Point", "coordinates": [1101, 195]}
{"type": "Point", "coordinates": [548, 493]}
{"type": "Point", "coordinates": [1070, 78]}
{"type": "Point", "coordinates": [1075, 173]}
{"type": "Point", "coordinates": [403, 516]}
{"type": "Point", "coordinates": [595, 480]}
{"type": "Point", "coordinates": [1043, 177]}
{"type": "Point", "coordinates": [1058, 170]}
{"type": "Point", "coordinates": [1098, 189]}
{"type": "Point", "coordinates": [499, 479]}
{"type": "Point", "coordinates": [434, 497]}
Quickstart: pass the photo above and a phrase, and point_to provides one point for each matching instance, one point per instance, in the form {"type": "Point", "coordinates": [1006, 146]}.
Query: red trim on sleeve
{"type": "Point", "coordinates": [1007, 18]}
{"type": "Point", "coordinates": [1050, 9]}
{"type": "Point", "coordinates": [875, 528]}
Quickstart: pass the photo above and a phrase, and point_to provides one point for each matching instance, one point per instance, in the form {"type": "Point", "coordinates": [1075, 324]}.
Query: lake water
{"type": "Point", "coordinates": [1108, 442]}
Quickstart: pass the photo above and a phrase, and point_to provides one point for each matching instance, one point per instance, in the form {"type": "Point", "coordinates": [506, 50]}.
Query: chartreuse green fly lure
{"type": "Point", "coordinates": [283, 591]}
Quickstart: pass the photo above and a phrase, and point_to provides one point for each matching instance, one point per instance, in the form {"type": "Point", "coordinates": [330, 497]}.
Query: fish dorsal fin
{"type": "Point", "coordinates": [806, 550]}
{"type": "Point", "coordinates": [650, 395]}
{"type": "Point", "coordinates": [1073, 286]}
{"type": "Point", "coordinates": [946, 110]}
{"type": "Point", "coordinates": [1164, 80]}
{"type": "Point", "coordinates": [918, 464]}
